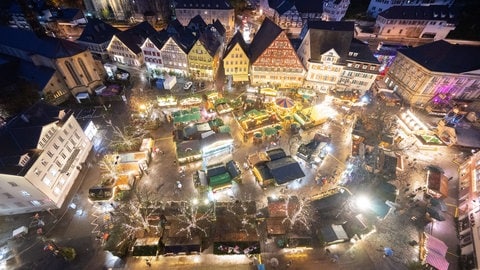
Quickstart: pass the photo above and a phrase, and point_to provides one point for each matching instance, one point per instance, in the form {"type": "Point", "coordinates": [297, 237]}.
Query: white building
{"type": "Point", "coordinates": [432, 22]}
{"type": "Point", "coordinates": [42, 154]}
{"type": "Point", "coordinates": [334, 10]}
{"type": "Point", "coordinates": [377, 6]}
{"type": "Point", "coordinates": [124, 47]}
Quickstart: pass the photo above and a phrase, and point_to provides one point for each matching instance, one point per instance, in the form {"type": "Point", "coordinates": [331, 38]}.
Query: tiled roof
{"type": "Point", "coordinates": [159, 39]}
{"type": "Point", "coordinates": [38, 75]}
{"type": "Point", "coordinates": [267, 33]}
{"type": "Point", "coordinates": [237, 39]}
{"type": "Point", "coordinates": [183, 36]}
{"type": "Point", "coordinates": [434, 12]}
{"type": "Point", "coordinates": [21, 134]}
{"type": "Point", "coordinates": [97, 31]}
{"type": "Point", "coordinates": [203, 4]}
{"type": "Point", "coordinates": [134, 37]}
{"type": "Point", "coordinates": [197, 23]}
{"type": "Point", "coordinates": [281, 6]}
{"type": "Point", "coordinates": [46, 46]}
{"type": "Point", "coordinates": [364, 54]}
{"type": "Point", "coordinates": [219, 27]}
{"type": "Point", "coordinates": [442, 56]}
{"type": "Point", "coordinates": [325, 36]}
{"type": "Point", "coordinates": [210, 41]}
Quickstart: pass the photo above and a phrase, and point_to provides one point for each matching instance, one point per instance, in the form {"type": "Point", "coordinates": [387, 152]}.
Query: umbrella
{"type": "Point", "coordinates": [285, 103]}
{"type": "Point", "coordinates": [438, 203]}
{"type": "Point", "coordinates": [388, 251]}
{"type": "Point", "coordinates": [257, 134]}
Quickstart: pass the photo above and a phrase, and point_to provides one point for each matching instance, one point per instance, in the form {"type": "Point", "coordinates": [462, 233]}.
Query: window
{"type": "Point", "coordinates": [61, 139]}
{"type": "Point", "coordinates": [8, 195]}
{"type": "Point", "coordinates": [25, 194]}
{"type": "Point", "coordinates": [13, 184]}
{"type": "Point", "coordinates": [55, 146]}
{"type": "Point", "coordinates": [47, 181]}
{"type": "Point", "coordinates": [37, 172]}
{"type": "Point", "coordinates": [44, 162]}
{"type": "Point", "coordinates": [73, 73]}
{"type": "Point", "coordinates": [56, 190]}
{"type": "Point", "coordinates": [50, 154]}
{"type": "Point", "coordinates": [36, 203]}
{"type": "Point", "coordinates": [85, 70]}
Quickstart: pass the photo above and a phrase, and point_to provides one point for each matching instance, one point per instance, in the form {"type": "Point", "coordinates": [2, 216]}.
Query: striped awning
{"type": "Point", "coordinates": [436, 251]}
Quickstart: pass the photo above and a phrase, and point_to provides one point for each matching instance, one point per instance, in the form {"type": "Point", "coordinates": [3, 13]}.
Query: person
{"type": "Point", "coordinates": [149, 264]}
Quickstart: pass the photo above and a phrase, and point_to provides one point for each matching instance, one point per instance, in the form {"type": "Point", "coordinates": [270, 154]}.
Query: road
{"type": "Point", "coordinates": [74, 228]}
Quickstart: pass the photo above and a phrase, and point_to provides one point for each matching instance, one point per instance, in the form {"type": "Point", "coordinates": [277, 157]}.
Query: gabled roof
{"type": "Point", "coordinates": [183, 36]}
{"type": "Point", "coordinates": [175, 27]}
{"type": "Point", "coordinates": [325, 36]}
{"type": "Point", "coordinates": [434, 12]}
{"type": "Point", "coordinates": [159, 39]}
{"type": "Point", "coordinates": [97, 31]}
{"type": "Point", "coordinates": [281, 6]}
{"type": "Point", "coordinates": [21, 135]}
{"type": "Point", "coordinates": [364, 54]}
{"type": "Point", "coordinates": [203, 4]}
{"type": "Point", "coordinates": [236, 39]}
{"type": "Point", "coordinates": [267, 33]}
{"type": "Point", "coordinates": [210, 41]}
{"type": "Point", "coordinates": [219, 27]}
{"type": "Point", "coordinates": [46, 46]}
{"type": "Point", "coordinates": [197, 23]}
{"type": "Point", "coordinates": [134, 37]}
{"type": "Point", "coordinates": [442, 56]}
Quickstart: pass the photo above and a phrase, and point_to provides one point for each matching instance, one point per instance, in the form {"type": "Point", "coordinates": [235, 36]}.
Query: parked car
{"type": "Point", "coordinates": [187, 86]}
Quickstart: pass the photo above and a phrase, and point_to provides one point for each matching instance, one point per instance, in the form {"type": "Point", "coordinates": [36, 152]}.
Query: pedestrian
{"type": "Point", "coordinates": [149, 264]}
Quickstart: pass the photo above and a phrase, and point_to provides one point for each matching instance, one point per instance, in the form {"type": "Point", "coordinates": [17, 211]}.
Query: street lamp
{"type": "Point", "coordinates": [362, 202]}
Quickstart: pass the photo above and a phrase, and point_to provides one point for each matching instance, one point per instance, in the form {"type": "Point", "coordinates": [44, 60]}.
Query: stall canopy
{"type": "Point", "coordinates": [285, 170]}
{"type": "Point", "coordinates": [285, 103]}
{"type": "Point", "coordinates": [435, 252]}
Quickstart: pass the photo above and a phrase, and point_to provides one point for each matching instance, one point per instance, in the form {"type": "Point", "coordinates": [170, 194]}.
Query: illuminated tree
{"type": "Point", "coordinates": [193, 217]}
{"type": "Point", "coordinates": [297, 211]}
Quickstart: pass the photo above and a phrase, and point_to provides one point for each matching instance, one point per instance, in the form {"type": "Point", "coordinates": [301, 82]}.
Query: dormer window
{"type": "Point", "coordinates": [23, 160]}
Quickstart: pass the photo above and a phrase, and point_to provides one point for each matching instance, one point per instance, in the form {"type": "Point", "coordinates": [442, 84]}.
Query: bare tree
{"type": "Point", "coordinates": [193, 217]}
{"type": "Point", "coordinates": [297, 211]}
{"type": "Point", "coordinates": [137, 212]}
{"type": "Point", "coordinates": [123, 137]}
{"type": "Point", "coordinates": [108, 167]}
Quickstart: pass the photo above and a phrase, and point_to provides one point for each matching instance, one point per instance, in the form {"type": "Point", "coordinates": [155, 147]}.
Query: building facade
{"type": "Point", "coordinates": [437, 71]}
{"type": "Point", "coordinates": [209, 10]}
{"type": "Point", "coordinates": [323, 46]}
{"type": "Point", "coordinates": [43, 150]}
{"type": "Point", "coordinates": [334, 10]}
{"type": "Point", "coordinates": [124, 47]}
{"type": "Point", "coordinates": [360, 71]}
{"type": "Point", "coordinates": [431, 22]}
{"type": "Point", "coordinates": [235, 61]}
{"type": "Point", "coordinates": [273, 58]}
{"type": "Point", "coordinates": [96, 35]}
{"type": "Point", "coordinates": [76, 72]}
{"type": "Point", "coordinates": [292, 15]}
{"type": "Point", "coordinates": [377, 6]}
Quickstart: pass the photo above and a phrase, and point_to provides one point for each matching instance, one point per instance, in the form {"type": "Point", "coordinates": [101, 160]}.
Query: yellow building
{"type": "Point", "coordinates": [235, 60]}
{"type": "Point", "coordinates": [203, 58]}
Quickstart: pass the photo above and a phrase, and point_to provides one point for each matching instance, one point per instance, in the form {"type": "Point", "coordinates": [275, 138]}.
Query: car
{"type": "Point", "coordinates": [187, 86]}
